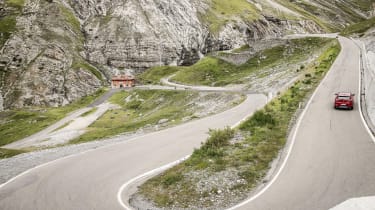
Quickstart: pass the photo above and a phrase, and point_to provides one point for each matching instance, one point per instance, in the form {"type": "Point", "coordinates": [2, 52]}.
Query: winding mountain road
{"type": "Point", "coordinates": [332, 158]}
{"type": "Point", "coordinates": [333, 155]}
{"type": "Point", "coordinates": [91, 180]}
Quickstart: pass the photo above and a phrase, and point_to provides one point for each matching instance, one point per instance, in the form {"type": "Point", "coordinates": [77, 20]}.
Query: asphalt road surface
{"type": "Point", "coordinates": [333, 158]}
{"type": "Point", "coordinates": [91, 180]}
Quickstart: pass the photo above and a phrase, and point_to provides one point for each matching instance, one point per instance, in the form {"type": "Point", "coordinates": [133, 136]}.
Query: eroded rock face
{"type": "Point", "coordinates": [145, 33]}
{"type": "Point", "coordinates": [39, 64]}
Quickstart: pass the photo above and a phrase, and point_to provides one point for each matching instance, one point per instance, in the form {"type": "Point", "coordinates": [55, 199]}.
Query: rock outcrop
{"type": "Point", "coordinates": [62, 50]}
{"type": "Point", "coordinates": [40, 63]}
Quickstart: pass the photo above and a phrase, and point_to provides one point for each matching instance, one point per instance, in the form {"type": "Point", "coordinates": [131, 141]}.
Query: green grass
{"type": "Point", "coordinates": [222, 12]}
{"type": "Point", "coordinates": [81, 64]}
{"type": "Point", "coordinates": [18, 4]}
{"type": "Point", "coordinates": [359, 28]}
{"type": "Point", "coordinates": [89, 112]}
{"type": "Point", "coordinates": [145, 107]}
{"type": "Point", "coordinates": [7, 27]}
{"type": "Point", "coordinates": [71, 19]}
{"type": "Point", "coordinates": [212, 71]}
{"type": "Point", "coordinates": [63, 126]}
{"type": "Point", "coordinates": [18, 124]}
{"type": "Point", "coordinates": [349, 12]}
{"type": "Point", "coordinates": [8, 23]}
{"type": "Point", "coordinates": [264, 134]}
{"type": "Point", "coordinates": [364, 5]}
{"type": "Point", "coordinates": [7, 153]}
{"type": "Point", "coordinates": [241, 49]}
{"type": "Point", "coordinates": [153, 75]}
{"type": "Point", "coordinates": [307, 15]}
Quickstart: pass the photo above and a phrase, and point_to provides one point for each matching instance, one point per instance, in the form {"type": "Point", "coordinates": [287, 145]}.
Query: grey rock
{"type": "Point", "coordinates": [1, 102]}
{"type": "Point", "coordinates": [162, 121]}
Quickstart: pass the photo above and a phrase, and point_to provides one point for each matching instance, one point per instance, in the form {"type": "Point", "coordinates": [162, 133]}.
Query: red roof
{"type": "Point", "coordinates": [122, 78]}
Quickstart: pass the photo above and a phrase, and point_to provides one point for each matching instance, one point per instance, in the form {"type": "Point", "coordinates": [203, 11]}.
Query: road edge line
{"type": "Point", "coordinates": [149, 173]}
{"type": "Point", "coordinates": [289, 151]}
{"type": "Point", "coordinates": [167, 166]}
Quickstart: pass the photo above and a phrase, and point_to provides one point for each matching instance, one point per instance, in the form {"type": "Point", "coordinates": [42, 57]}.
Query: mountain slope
{"type": "Point", "coordinates": [56, 51]}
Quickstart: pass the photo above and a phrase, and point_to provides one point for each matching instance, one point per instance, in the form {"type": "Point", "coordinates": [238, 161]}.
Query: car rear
{"type": "Point", "coordinates": [344, 101]}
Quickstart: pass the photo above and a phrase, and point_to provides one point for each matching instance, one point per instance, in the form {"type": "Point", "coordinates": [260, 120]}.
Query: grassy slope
{"type": "Point", "coordinates": [18, 124]}
{"type": "Point", "coordinates": [7, 153]}
{"type": "Point", "coordinates": [153, 75]}
{"type": "Point", "coordinates": [215, 72]}
{"type": "Point", "coordinates": [144, 107]}
{"type": "Point", "coordinates": [265, 134]}
{"type": "Point", "coordinates": [79, 63]}
{"type": "Point", "coordinates": [308, 15]}
{"type": "Point", "coordinates": [222, 12]}
{"type": "Point", "coordinates": [359, 28]}
{"type": "Point", "coordinates": [8, 23]}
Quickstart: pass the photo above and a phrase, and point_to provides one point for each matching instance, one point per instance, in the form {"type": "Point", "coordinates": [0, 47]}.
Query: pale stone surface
{"type": "Point", "coordinates": [1, 102]}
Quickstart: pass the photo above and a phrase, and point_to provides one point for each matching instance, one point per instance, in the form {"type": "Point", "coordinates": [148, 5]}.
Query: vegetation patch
{"type": "Point", "coordinates": [213, 71]}
{"type": "Point", "coordinates": [17, 4]}
{"type": "Point", "coordinates": [222, 12]}
{"type": "Point", "coordinates": [139, 108]}
{"type": "Point", "coordinates": [7, 27]}
{"type": "Point", "coordinates": [71, 19]}
{"type": "Point", "coordinates": [241, 49]}
{"type": "Point", "coordinates": [89, 112]}
{"type": "Point", "coordinates": [8, 22]}
{"type": "Point", "coordinates": [18, 124]}
{"type": "Point", "coordinates": [232, 162]}
{"type": "Point", "coordinates": [295, 7]}
{"type": "Point", "coordinates": [364, 5]}
{"type": "Point", "coordinates": [81, 64]}
{"type": "Point", "coordinates": [7, 153]}
{"type": "Point", "coordinates": [359, 28]}
{"type": "Point", "coordinates": [147, 110]}
{"type": "Point", "coordinates": [63, 126]}
{"type": "Point", "coordinates": [153, 75]}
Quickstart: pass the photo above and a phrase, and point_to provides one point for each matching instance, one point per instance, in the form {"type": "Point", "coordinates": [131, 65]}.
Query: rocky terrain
{"type": "Point", "coordinates": [56, 51]}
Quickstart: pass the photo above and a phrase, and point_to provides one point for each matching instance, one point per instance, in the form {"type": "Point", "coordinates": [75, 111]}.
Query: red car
{"type": "Point", "coordinates": [344, 100]}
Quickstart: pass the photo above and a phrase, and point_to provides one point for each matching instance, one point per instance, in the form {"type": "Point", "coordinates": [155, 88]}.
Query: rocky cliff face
{"type": "Point", "coordinates": [39, 63]}
{"type": "Point", "coordinates": [62, 50]}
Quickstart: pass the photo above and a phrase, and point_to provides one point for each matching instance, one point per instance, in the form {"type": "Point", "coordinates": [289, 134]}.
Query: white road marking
{"type": "Point", "coordinates": [288, 153]}
{"type": "Point", "coordinates": [157, 170]}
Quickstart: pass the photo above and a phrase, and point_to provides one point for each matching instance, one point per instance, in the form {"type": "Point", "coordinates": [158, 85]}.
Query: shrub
{"type": "Point", "coordinates": [219, 138]}
{"type": "Point", "coordinates": [171, 179]}
{"type": "Point", "coordinates": [260, 118]}
{"type": "Point", "coordinates": [134, 104]}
